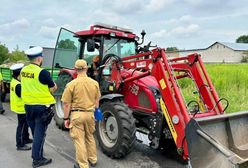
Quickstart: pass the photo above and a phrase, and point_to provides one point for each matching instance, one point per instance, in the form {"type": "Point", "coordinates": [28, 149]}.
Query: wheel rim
{"type": "Point", "coordinates": [108, 129]}
{"type": "Point", "coordinates": [59, 107]}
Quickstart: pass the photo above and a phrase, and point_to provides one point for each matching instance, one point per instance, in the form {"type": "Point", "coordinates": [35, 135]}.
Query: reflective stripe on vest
{"type": "Point", "coordinates": [34, 92]}
{"type": "Point", "coordinates": [16, 103]}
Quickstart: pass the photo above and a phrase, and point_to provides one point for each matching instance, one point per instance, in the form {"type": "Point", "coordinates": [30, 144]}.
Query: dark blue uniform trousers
{"type": "Point", "coordinates": [22, 135]}
{"type": "Point", "coordinates": [35, 118]}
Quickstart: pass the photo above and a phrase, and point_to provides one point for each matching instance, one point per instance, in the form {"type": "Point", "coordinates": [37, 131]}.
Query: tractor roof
{"type": "Point", "coordinates": [104, 29]}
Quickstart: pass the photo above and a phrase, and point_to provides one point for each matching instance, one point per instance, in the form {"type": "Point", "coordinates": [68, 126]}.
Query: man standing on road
{"type": "Point", "coordinates": [81, 99]}
{"type": "Point", "coordinates": [37, 87]}
{"type": "Point", "coordinates": [1, 90]}
{"type": "Point", "coordinates": [17, 106]}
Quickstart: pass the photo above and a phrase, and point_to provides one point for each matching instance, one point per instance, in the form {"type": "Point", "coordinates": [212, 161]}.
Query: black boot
{"type": "Point", "coordinates": [41, 162]}
{"type": "Point", "coordinates": [25, 147]}
{"type": "Point", "coordinates": [28, 141]}
{"type": "Point", "coordinates": [2, 111]}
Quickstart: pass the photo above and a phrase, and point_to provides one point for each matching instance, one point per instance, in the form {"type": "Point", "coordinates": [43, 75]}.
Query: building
{"type": "Point", "coordinates": [48, 56]}
{"type": "Point", "coordinates": [218, 52]}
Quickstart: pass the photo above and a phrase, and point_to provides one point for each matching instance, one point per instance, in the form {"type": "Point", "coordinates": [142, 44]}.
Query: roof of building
{"type": "Point", "coordinates": [233, 46]}
{"type": "Point", "coordinates": [236, 46]}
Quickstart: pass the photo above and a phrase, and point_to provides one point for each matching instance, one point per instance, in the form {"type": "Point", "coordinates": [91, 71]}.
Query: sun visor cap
{"type": "Point", "coordinates": [34, 52]}
{"type": "Point", "coordinates": [80, 64]}
{"type": "Point", "coordinates": [16, 66]}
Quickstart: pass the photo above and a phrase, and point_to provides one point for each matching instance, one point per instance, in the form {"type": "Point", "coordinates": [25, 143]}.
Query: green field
{"type": "Point", "coordinates": [230, 82]}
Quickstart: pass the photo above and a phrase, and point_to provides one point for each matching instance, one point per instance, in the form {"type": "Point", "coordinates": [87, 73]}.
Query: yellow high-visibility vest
{"type": "Point", "coordinates": [16, 103]}
{"type": "Point", "coordinates": [34, 92]}
{"type": "Point", "coordinates": [1, 77]}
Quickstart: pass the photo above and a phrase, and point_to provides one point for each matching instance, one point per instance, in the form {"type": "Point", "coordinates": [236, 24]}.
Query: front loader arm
{"type": "Point", "coordinates": [156, 63]}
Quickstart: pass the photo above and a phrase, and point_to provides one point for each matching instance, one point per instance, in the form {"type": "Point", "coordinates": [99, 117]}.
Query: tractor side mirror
{"type": "Point", "coordinates": [90, 45]}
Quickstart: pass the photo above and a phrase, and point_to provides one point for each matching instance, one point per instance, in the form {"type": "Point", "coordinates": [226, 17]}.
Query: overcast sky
{"type": "Point", "coordinates": [186, 24]}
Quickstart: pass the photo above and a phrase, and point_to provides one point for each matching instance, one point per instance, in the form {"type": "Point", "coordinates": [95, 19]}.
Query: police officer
{"type": "Point", "coordinates": [81, 98]}
{"type": "Point", "coordinates": [17, 106]}
{"type": "Point", "coordinates": [1, 90]}
{"type": "Point", "coordinates": [37, 87]}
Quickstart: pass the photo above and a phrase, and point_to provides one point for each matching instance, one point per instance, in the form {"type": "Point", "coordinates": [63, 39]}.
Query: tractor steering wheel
{"type": "Point", "coordinates": [107, 57]}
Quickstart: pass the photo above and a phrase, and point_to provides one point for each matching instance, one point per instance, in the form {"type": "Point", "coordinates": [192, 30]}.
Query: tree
{"type": "Point", "coordinates": [242, 39]}
{"type": "Point", "coordinates": [171, 49]}
{"type": "Point", "coordinates": [4, 53]}
{"type": "Point", "coordinates": [17, 55]}
{"type": "Point", "coordinates": [67, 44]}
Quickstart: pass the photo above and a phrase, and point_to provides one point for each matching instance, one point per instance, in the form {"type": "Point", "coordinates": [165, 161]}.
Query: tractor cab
{"type": "Point", "coordinates": [97, 46]}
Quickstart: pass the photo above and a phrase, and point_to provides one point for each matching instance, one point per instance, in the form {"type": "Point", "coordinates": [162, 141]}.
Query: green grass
{"type": "Point", "coordinates": [230, 82]}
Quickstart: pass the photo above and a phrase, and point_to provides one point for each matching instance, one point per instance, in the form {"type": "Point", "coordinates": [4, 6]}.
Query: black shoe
{"type": "Point", "coordinates": [41, 162]}
{"type": "Point", "coordinates": [2, 111]}
{"type": "Point", "coordinates": [28, 141]}
{"type": "Point", "coordinates": [25, 147]}
{"type": "Point", "coordinates": [92, 164]}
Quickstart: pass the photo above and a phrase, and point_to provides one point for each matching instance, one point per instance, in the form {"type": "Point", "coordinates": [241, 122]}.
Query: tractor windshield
{"type": "Point", "coordinates": [119, 47]}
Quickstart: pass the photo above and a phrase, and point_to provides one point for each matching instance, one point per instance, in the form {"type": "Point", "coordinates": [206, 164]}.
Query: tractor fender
{"type": "Point", "coordinates": [70, 72]}
{"type": "Point", "coordinates": [111, 97]}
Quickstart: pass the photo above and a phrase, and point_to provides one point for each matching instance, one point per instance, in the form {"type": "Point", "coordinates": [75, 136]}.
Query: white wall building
{"type": "Point", "coordinates": [217, 52]}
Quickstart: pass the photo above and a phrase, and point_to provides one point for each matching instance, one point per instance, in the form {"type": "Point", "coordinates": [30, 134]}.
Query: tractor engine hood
{"type": "Point", "coordinates": [148, 81]}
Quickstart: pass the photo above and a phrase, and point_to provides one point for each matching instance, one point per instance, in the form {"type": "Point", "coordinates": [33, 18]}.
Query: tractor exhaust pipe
{"type": "Point", "coordinates": [218, 141]}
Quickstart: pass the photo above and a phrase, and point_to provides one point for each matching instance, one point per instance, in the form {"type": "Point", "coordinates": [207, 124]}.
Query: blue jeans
{"type": "Point", "coordinates": [35, 117]}
{"type": "Point", "coordinates": [22, 135]}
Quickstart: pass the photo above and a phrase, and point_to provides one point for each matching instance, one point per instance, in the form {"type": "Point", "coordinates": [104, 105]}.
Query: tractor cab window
{"type": "Point", "coordinates": [67, 49]}
{"type": "Point", "coordinates": [119, 47]}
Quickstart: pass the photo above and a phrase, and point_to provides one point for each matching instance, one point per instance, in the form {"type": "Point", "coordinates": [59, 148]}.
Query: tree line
{"type": "Point", "coordinates": [14, 56]}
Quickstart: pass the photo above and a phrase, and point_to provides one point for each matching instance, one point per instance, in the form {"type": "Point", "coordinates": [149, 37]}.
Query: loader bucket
{"type": "Point", "coordinates": [219, 141]}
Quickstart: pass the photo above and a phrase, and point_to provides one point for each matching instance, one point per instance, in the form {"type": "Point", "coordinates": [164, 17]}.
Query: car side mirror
{"type": "Point", "coordinates": [90, 45]}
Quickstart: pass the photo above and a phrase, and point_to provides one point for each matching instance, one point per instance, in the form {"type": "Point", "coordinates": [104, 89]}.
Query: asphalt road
{"type": "Point", "coordinates": [142, 156]}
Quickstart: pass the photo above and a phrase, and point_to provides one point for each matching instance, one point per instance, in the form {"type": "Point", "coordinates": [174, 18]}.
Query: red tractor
{"type": "Point", "coordinates": [141, 92]}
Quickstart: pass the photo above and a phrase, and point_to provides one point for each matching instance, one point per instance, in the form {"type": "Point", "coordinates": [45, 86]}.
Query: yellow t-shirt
{"type": "Point", "coordinates": [82, 93]}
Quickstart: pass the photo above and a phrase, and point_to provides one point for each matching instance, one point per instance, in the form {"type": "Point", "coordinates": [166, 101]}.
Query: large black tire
{"type": "Point", "coordinates": [116, 133]}
{"type": "Point", "coordinates": [63, 79]}
{"type": "Point", "coordinates": [59, 113]}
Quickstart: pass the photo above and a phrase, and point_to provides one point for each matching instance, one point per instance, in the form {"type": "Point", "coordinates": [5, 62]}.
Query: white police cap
{"type": "Point", "coordinates": [34, 52]}
{"type": "Point", "coordinates": [16, 66]}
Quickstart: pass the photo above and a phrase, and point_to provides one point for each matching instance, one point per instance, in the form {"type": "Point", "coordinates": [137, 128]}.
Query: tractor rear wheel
{"type": "Point", "coordinates": [116, 132]}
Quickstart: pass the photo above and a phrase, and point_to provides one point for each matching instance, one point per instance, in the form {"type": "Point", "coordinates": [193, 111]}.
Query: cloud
{"type": "Point", "coordinates": [14, 27]}
{"type": "Point", "coordinates": [160, 33]}
{"type": "Point", "coordinates": [212, 8]}
{"type": "Point", "coordinates": [48, 32]}
{"type": "Point", "coordinates": [129, 7]}
{"type": "Point", "coordinates": [202, 3]}
{"type": "Point", "coordinates": [185, 18]}
{"type": "Point", "coordinates": [52, 32]}
{"type": "Point", "coordinates": [156, 5]}
{"type": "Point", "coordinates": [124, 7]}
{"type": "Point", "coordinates": [107, 17]}
{"type": "Point", "coordinates": [49, 22]}
{"type": "Point", "coordinates": [12, 31]}
{"type": "Point", "coordinates": [182, 31]}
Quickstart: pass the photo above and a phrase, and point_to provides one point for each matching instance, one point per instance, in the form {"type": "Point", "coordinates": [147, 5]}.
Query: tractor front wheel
{"type": "Point", "coordinates": [116, 132]}
{"type": "Point", "coordinates": [59, 113]}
